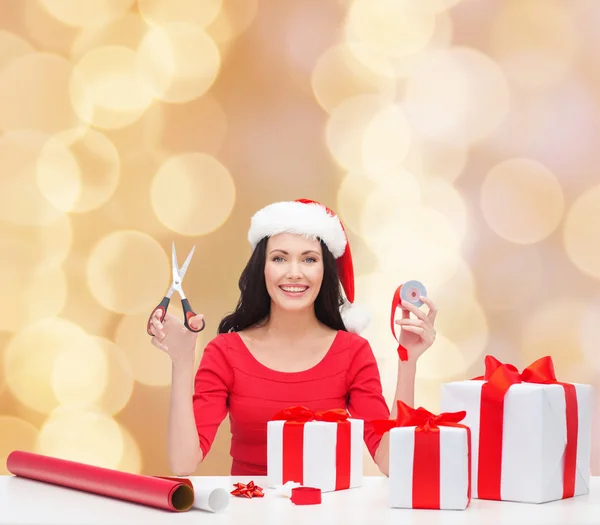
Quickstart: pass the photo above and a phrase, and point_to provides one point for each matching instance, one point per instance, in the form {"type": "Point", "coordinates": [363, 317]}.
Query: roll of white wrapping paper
{"type": "Point", "coordinates": [210, 498]}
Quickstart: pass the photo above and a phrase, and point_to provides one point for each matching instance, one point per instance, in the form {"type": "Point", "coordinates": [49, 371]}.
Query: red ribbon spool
{"type": "Point", "coordinates": [306, 496]}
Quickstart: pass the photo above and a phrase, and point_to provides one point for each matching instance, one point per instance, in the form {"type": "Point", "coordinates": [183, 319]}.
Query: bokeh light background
{"type": "Point", "coordinates": [457, 139]}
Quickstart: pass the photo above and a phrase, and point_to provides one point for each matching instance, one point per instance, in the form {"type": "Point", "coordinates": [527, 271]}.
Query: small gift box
{"type": "Point", "coordinates": [323, 450]}
{"type": "Point", "coordinates": [429, 459]}
{"type": "Point", "coordinates": [531, 433]}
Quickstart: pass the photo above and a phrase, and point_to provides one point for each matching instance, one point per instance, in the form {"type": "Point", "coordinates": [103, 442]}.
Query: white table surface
{"type": "Point", "coordinates": [24, 501]}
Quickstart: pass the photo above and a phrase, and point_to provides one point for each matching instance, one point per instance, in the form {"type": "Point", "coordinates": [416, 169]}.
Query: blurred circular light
{"type": "Point", "coordinates": [590, 333]}
{"type": "Point", "coordinates": [89, 13]}
{"type": "Point", "coordinates": [128, 272]}
{"type": "Point", "coordinates": [16, 435]}
{"type": "Point", "coordinates": [345, 131]}
{"type": "Point", "coordinates": [78, 170]}
{"type": "Point", "coordinates": [119, 381]}
{"type": "Point", "coordinates": [554, 329]}
{"type": "Point", "coordinates": [386, 140]}
{"type": "Point", "coordinates": [31, 355]}
{"type": "Point", "coordinates": [128, 32]}
{"type": "Point", "coordinates": [27, 84]}
{"type": "Point", "coordinates": [442, 196]}
{"type": "Point", "coordinates": [534, 42]}
{"type": "Point", "coordinates": [12, 47]}
{"type": "Point", "coordinates": [509, 275]}
{"type": "Point", "coordinates": [84, 435]}
{"type": "Point", "coordinates": [338, 76]}
{"type": "Point", "coordinates": [350, 199]}
{"type": "Point", "coordinates": [106, 89]}
{"type": "Point", "coordinates": [522, 200]}
{"type": "Point", "coordinates": [193, 194]}
{"type": "Point", "coordinates": [79, 375]}
{"type": "Point", "coordinates": [158, 12]}
{"type": "Point", "coordinates": [178, 62]}
{"type": "Point", "coordinates": [389, 27]}
{"type": "Point", "coordinates": [456, 91]}
{"type": "Point", "coordinates": [581, 234]}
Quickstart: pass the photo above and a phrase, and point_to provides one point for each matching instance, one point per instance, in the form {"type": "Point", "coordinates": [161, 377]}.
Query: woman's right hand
{"type": "Point", "coordinates": [171, 336]}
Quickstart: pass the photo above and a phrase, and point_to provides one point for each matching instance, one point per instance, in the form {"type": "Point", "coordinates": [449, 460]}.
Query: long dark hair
{"type": "Point", "coordinates": [254, 304]}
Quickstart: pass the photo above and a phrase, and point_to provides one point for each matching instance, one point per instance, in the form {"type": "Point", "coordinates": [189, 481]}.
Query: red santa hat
{"type": "Point", "coordinates": [314, 220]}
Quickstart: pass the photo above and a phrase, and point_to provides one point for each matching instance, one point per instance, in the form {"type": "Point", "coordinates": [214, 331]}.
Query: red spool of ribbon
{"type": "Point", "coordinates": [306, 496]}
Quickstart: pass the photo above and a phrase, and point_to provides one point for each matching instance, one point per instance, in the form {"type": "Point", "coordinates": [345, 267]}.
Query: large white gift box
{"type": "Point", "coordinates": [531, 435]}
{"type": "Point", "coordinates": [314, 449]}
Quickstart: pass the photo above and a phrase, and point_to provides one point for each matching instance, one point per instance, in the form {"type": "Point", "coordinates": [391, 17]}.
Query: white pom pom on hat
{"type": "Point", "coordinates": [312, 219]}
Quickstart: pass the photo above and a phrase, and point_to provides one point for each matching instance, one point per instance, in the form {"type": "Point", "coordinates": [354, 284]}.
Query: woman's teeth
{"type": "Point", "coordinates": [293, 289]}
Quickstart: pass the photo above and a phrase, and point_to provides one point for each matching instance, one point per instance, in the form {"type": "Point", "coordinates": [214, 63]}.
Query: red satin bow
{"type": "Point", "coordinates": [302, 414]}
{"type": "Point", "coordinates": [421, 418]}
{"type": "Point", "coordinates": [499, 377]}
{"type": "Point", "coordinates": [503, 375]}
{"type": "Point", "coordinates": [247, 491]}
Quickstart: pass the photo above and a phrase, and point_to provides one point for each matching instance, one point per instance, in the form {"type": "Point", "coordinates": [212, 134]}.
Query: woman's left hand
{"type": "Point", "coordinates": [417, 334]}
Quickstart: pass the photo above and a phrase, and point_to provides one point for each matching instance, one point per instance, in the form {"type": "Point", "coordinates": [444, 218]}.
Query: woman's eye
{"type": "Point", "coordinates": [277, 259]}
{"type": "Point", "coordinates": [311, 259]}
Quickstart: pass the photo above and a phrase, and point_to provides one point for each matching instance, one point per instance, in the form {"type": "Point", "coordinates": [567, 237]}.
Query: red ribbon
{"type": "Point", "coordinates": [402, 351]}
{"type": "Point", "coordinates": [293, 442]}
{"type": "Point", "coordinates": [499, 377]}
{"type": "Point", "coordinates": [426, 458]}
{"type": "Point", "coordinates": [306, 496]}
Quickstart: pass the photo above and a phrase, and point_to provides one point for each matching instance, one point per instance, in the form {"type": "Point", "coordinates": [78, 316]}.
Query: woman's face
{"type": "Point", "coordinates": [293, 271]}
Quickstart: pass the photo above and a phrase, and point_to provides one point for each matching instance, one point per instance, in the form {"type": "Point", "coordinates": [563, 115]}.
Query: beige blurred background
{"type": "Point", "coordinates": [458, 140]}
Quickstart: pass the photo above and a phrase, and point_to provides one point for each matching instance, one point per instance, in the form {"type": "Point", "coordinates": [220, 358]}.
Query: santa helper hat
{"type": "Point", "coordinates": [312, 219]}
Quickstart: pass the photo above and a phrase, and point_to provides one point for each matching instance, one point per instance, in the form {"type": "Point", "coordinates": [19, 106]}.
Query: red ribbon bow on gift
{"type": "Point", "coordinates": [426, 456]}
{"type": "Point", "coordinates": [302, 414]}
{"type": "Point", "coordinates": [247, 491]}
{"type": "Point", "coordinates": [420, 418]}
{"type": "Point", "coordinates": [499, 377]}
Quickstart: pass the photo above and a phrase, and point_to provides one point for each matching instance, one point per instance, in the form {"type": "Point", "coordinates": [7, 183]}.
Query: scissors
{"type": "Point", "coordinates": [178, 274]}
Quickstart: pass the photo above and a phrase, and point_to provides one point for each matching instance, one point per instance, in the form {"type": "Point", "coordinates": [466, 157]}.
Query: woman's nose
{"type": "Point", "coordinates": [294, 271]}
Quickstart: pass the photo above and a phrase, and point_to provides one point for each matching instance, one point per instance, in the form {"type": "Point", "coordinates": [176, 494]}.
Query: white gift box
{"type": "Point", "coordinates": [453, 471]}
{"type": "Point", "coordinates": [534, 437]}
{"type": "Point", "coordinates": [319, 454]}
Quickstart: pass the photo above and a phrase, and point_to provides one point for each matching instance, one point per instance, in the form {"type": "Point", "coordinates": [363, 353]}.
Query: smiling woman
{"type": "Point", "coordinates": [295, 273]}
{"type": "Point", "coordinates": [287, 273]}
{"type": "Point", "coordinates": [293, 339]}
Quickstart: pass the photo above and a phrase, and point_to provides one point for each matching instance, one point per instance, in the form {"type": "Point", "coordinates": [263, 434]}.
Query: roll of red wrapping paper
{"type": "Point", "coordinates": [165, 493]}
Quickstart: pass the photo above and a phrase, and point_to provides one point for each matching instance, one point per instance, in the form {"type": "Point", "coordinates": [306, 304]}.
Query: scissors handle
{"type": "Point", "coordinates": [188, 313]}
{"type": "Point", "coordinates": [162, 308]}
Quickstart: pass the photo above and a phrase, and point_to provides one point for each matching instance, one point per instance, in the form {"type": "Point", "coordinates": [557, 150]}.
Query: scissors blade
{"type": "Point", "coordinates": [186, 264]}
{"type": "Point", "coordinates": [175, 266]}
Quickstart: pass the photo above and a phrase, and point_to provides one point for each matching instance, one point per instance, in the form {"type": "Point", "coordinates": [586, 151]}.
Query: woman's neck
{"type": "Point", "coordinates": [291, 325]}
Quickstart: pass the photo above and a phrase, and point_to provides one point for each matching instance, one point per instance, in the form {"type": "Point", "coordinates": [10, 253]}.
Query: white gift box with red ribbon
{"type": "Point", "coordinates": [531, 434]}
